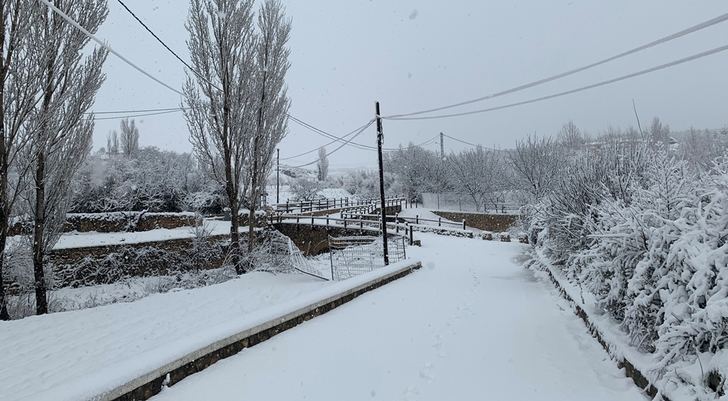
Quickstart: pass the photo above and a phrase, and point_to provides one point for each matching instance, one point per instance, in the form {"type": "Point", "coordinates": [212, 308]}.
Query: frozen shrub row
{"type": "Point", "coordinates": [647, 236]}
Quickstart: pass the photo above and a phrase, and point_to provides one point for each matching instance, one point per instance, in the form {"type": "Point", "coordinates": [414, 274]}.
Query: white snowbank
{"type": "Point", "coordinates": [77, 355]}
{"type": "Point", "coordinates": [87, 239]}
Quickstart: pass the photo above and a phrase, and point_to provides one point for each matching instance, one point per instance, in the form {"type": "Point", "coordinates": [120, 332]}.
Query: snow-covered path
{"type": "Point", "coordinates": [471, 325]}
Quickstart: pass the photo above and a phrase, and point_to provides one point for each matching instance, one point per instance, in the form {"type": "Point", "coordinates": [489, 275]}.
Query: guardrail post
{"type": "Point", "coordinates": [344, 223]}
{"type": "Point", "coordinates": [463, 224]}
{"type": "Point", "coordinates": [327, 220]}
{"type": "Point", "coordinates": [298, 219]}
{"type": "Point", "coordinates": [439, 221]}
{"type": "Point", "coordinates": [311, 221]}
{"type": "Point", "coordinates": [417, 219]}
{"type": "Point", "coordinates": [412, 241]}
{"type": "Point", "coordinates": [361, 225]}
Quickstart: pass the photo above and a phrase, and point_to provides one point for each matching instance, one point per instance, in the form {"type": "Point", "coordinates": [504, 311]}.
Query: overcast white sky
{"type": "Point", "coordinates": [415, 54]}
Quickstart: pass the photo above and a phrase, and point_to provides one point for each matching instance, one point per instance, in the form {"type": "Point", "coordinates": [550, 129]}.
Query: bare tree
{"type": "Point", "coordinates": [305, 189]}
{"type": "Point", "coordinates": [61, 131]}
{"type": "Point", "coordinates": [112, 143]}
{"type": "Point", "coordinates": [476, 173]}
{"type": "Point", "coordinates": [537, 162]}
{"type": "Point", "coordinates": [19, 94]}
{"type": "Point", "coordinates": [272, 99]}
{"type": "Point", "coordinates": [129, 138]}
{"type": "Point", "coordinates": [659, 132]}
{"type": "Point", "coordinates": [322, 167]}
{"type": "Point", "coordinates": [571, 136]}
{"type": "Point", "coordinates": [418, 170]}
{"type": "Point", "coordinates": [221, 99]}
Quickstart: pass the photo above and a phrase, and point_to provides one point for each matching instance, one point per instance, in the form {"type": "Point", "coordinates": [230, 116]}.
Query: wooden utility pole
{"type": "Point", "coordinates": [278, 176]}
{"type": "Point", "coordinates": [380, 139]}
{"type": "Point", "coordinates": [442, 146]}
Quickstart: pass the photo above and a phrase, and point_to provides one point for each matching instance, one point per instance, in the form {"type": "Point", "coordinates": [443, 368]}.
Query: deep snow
{"type": "Point", "coordinates": [471, 325]}
{"type": "Point", "coordinates": [67, 355]}
{"type": "Point", "coordinates": [87, 239]}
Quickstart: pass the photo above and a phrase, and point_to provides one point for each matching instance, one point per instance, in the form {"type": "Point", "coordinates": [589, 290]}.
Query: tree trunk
{"type": "Point", "coordinates": [41, 299]}
{"type": "Point", "coordinates": [234, 217]}
{"type": "Point", "coordinates": [4, 210]}
{"type": "Point", "coordinates": [3, 237]}
{"type": "Point", "coordinates": [253, 198]}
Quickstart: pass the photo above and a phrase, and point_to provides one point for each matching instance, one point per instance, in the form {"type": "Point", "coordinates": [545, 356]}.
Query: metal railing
{"type": "Point", "coordinates": [399, 229]}
{"type": "Point", "coordinates": [439, 222]}
{"type": "Point", "coordinates": [334, 203]}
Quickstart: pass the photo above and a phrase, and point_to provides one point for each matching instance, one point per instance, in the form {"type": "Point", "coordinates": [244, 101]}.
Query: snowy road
{"type": "Point", "coordinates": [471, 325]}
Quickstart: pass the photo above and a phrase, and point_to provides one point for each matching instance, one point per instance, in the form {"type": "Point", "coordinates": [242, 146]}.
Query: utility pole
{"type": "Point", "coordinates": [380, 139]}
{"type": "Point", "coordinates": [442, 146]}
{"type": "Point", "coordinates": [278, 175]}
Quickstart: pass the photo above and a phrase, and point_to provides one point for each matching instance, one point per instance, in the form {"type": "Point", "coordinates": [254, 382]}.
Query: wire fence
{"type": "Point", "coordinates": [355, 255]}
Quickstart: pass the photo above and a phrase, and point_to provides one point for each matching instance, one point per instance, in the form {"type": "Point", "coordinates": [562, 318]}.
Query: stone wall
{"type": "Point", "coordinates": [77, 267]}
{"type": "Point", "coordinates": [314, 239]}
{"type": "Point", "coordinates": [486, 222]}
{"type": "Point", "coordinates": [114, 222]}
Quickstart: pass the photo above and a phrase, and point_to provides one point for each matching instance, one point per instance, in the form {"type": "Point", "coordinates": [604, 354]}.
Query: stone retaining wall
{"type": "Point", "coordinates": [115, 222]}
{"type": "Point", "coordinates": [78, 267]}
{"type": "Point", "coordinates": [314, 239]}
{"type": "Point", "coordinates": [486, 222]}
{"type": "Point", "coordinates": [106, 264]}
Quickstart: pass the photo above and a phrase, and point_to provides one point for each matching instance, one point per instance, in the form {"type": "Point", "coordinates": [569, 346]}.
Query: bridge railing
{"type": "Point", "coordinates": [400, 229]}
{"type": "Point", "coordinates": [439, 222]}
{"type": "Point", "coordinates": [333, 203]}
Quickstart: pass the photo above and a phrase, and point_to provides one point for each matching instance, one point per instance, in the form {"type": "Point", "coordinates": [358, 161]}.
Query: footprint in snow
{"type": "Point", "coordinates": [426, 372]}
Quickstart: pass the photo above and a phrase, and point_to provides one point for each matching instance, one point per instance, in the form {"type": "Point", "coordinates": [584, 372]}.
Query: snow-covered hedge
{"type": "Point", "coordinates": [648, 238]}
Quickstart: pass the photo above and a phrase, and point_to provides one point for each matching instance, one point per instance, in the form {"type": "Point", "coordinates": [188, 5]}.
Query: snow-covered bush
{"type": "Point", "coordinates": [648, 237]}
{"type": "Point", "coordinates": [151, 179]}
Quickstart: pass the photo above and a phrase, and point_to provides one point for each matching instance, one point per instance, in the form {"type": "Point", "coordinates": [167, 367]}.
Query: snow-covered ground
{"type": "Point", "coordinates": [86, 239]}
{"type": "Point", "coordinates": [285, 194]}
{"type": "Point", "coordinates": [63, 355]}
{"type": "Point", "coordinates": [419, 211]}
{"type": "Point", "coordinates": [471, 325]}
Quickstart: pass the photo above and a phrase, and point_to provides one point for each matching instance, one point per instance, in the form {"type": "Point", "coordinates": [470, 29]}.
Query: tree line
{"type": "Point", "coordinates": [236, 113]}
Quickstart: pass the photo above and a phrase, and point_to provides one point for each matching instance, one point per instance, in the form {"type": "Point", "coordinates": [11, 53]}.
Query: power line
{"type": "Point", "coordinates": [167, 47]}
{"type": "Point", "coordinates": [342, 139]}
{"type": "Point", "coordinates": [361, 130]}
{"type": "Point", "coordinates": [335, 140]}
{"type": "Point", "coordinates": [460, 140]}
{"type": "Point", "coordinates": [572, 91]}
{"type": "Point", "coordinates": [654, 43]}
{"type": "Point", "coordinates": [171, 110]}
{"type": "Point", "coordinates": [176, 109]}
{"type": "Point", "coordinates": [135, 115]}
{"type": "Point", "coordinates": [106, 46]}
{"type": "Point", "coordinates": [469, 143]}
{"type": "Point", "coordinates": [326, 134]}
